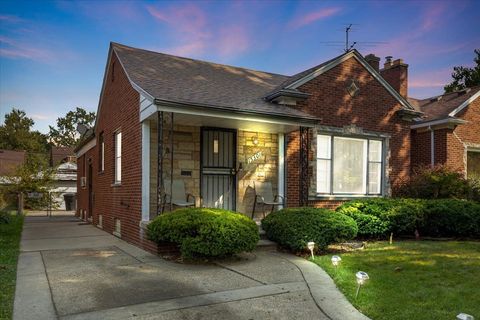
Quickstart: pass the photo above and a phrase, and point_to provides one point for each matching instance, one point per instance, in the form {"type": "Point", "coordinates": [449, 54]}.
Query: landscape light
{"type": "Point", "coordinates": [362, 278]}
{"type": "Point", "coordinates": [464, 316]}
{"type": "Point", "coordinates": [336, 260]}
{"type": "Point", "coordinates": [311, 246]}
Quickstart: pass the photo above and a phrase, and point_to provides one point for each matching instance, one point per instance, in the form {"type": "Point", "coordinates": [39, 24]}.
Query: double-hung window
{"type": "Point", "coordinates": [118, 156]}
{"type": "Point", "coordinates": [101, 158]}
{"type": "Point", "coordinates": [348, 165]}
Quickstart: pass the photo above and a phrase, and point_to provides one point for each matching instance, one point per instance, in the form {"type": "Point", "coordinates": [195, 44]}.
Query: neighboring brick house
{"type": "Point", "coordinates": [334, 132]}
{"type": "Point", "coordinates": [449, 131]}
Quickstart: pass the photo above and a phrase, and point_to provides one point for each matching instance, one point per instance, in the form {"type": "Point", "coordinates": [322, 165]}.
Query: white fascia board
{"type": "Point", "coordinates": [147, 108]}
{"type": "Point", "coordinates": [464, 104]}
{"type": "Point", "coordinates": [234, 116]}
{"type": "Point", "coordinates": [438, 122]}
{"type": "Point", "coordinates": [89, 145]}
{"type": "Point", "coordinates": [365, 64]}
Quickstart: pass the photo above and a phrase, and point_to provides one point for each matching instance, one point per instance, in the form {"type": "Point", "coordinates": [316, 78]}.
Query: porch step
{"type": "Point", "coordinates": [266, 244]}
{"type": "Point", "coordinates": [261, 232]}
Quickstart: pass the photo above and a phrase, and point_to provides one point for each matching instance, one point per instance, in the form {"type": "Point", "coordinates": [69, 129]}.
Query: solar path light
{"type": "Point", "coordinates": [311, 246]}
{"type": "Point", "coordinates": [336, 261]}
{"type": "Point", "coordinates": [362, 278]}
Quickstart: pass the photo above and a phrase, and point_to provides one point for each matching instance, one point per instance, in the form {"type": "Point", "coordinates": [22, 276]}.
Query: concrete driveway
{"type": "Point", "coordinates": [69, 270]}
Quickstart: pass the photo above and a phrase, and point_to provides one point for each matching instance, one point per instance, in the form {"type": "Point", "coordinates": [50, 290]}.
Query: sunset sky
{"type": "Point", "coordinates": [53, 54]}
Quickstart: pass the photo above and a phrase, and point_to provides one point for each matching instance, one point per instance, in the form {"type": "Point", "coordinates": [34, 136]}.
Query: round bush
{"type": "Point", "coordinates": [204, 232]}
{"type": "Point", "coordinates": [294, 228]}
{"type": "Point", "coordinates": [369, 226]}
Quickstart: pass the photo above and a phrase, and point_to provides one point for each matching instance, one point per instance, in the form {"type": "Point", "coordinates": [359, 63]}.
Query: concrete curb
{"type": "Point", "coordinates": [324, 291]}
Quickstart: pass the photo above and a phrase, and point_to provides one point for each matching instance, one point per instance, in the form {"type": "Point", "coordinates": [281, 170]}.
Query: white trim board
{"type": "Point", "coordinates": [364, 63]}
{"type": "Point", "coordinates": [438, 122]}
{"type": "Point", "coordinates": [464, 104]}
{"type": "Point", "coordinates": [89, 145]}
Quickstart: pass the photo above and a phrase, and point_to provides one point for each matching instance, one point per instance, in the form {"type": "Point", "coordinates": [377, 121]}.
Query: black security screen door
{"type": "Point", "coordinates": [218, 168]}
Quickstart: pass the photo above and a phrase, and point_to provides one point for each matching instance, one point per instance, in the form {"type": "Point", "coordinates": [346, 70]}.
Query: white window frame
{"type": "Point", "coordinates": [367, 161]}
{"type": "Point", "coordinates": [102, 151]}
{"type": "Point", "coordinates": [118, 156]}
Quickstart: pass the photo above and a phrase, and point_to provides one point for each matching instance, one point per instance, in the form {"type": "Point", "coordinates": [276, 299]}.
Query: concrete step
{"type": "Point", "coordinates": [266, 244]}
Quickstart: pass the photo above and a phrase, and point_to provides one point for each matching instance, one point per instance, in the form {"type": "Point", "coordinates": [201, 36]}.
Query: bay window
{"type": "Point", "coordinates": [347, 165]}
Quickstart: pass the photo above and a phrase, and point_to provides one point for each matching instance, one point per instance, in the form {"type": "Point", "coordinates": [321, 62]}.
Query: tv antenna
{"type": "Point", "coordinates": [348, 47]}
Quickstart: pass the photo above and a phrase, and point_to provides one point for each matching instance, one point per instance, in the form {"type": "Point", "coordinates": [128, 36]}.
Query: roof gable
{"type": "Point", "coordinates": [447, 105]}
{"type": "Point", "coordinates": [312, 73]}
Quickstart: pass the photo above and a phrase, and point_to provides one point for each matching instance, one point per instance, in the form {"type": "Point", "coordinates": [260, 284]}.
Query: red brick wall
{"type": "Point", "coordinates": [373, 109]}
{"type": "Point", "coordinates": [449, 143]}
{"type": "Point", "coordinates": [119, 110]}
{"type": "Point", "coordinates": [468, 133]}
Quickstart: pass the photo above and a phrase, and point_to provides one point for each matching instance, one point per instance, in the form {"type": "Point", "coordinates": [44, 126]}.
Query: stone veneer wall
{"type": "Point", "coordinates": [186, 157]}
{"type": "Point", "coordinates": [262, 168]}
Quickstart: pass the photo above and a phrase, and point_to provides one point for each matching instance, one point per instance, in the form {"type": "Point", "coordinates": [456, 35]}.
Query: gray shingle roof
{"type": "Point", "coordinates": [183, 80]}
{"type": "Point", "coordinates": [439, 107]}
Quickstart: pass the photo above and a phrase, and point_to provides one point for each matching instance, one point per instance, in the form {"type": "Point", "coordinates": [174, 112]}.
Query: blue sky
{"type": "Point", "coordinates": [53, 54]}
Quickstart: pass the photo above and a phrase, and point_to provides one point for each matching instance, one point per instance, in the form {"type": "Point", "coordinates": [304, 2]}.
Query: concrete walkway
{"type": "Point", "coordinates": [69, 270]}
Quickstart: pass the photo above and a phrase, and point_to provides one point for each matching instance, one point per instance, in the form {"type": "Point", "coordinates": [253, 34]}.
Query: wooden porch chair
{"type": "Point", "coordinates": [264, 197]}
{"type": "Point", "coordinates": [178, 196]}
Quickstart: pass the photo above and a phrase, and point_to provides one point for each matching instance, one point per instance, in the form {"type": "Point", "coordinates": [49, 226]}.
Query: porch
{"type": "Point", "coordinates": [219, 160]}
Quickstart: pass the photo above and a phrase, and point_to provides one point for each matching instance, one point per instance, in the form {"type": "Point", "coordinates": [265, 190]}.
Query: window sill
{"type": "Point", "coordinates": [116, 184]}
{"type": "Point", "coordinates": [343, 196]}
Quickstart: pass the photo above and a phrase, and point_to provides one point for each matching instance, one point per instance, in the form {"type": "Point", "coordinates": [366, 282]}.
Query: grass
{"type": "Point", "coordinates": [9, 249]}
{"type": "Point", "coordinates": [412, 280]}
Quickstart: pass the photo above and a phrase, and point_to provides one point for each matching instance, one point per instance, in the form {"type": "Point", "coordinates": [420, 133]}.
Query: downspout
{"type": "Point", "coordinates": [432, 146]}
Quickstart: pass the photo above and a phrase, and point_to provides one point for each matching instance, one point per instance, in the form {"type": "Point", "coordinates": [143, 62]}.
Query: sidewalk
{"type": "Point", "coordinates": [68, 270]}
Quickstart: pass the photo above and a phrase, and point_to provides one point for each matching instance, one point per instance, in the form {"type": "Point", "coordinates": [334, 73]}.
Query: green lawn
{"type": "Point", "coordinates": [9, 249]}
{"type": "Point", "coordinates": [412, 279]}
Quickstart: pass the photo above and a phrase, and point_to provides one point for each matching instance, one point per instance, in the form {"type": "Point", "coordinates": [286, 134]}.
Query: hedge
{"type": "Point", "coordinates": [294, 228]}
{"type": "Point", "coordinates": [204, 232]}
{"type": "Point", "coordinates": [377, 218]}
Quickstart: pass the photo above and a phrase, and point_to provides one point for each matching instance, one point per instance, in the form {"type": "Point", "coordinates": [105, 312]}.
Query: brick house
{"type": "Point", "coordinates": [449, 131]}
{"type": "Point", "coordinates": [340, 130]}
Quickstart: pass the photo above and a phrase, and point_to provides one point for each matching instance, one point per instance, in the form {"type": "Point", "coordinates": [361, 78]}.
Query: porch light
{"type": "Point", "coordinates": [255, 140]}
{"type": "Point", "coordinates": [362, 278]}
{"type": "Point", "coordinates": [464, 316]}
{"type": "Point", "coordinates": [311, 246]}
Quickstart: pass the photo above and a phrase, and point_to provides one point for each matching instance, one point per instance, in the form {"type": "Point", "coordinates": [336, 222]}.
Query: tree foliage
{"type": "Point", "coordinates": [16, 134]}
{"type": "Point", "coordinates": [65, 133]}
{"type": "Point", "coordinates": [465, 77]}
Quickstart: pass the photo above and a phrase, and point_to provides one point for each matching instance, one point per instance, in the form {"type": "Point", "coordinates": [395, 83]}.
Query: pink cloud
{"type": "Point", "coordinates": [312, 17]}
{"type": "Point", "coordinates": [430, 79]}
{"type": "Point", "coordinates": [194, 32]}
{"type": "Point", "coordinates": [10, 18]}
{"type": "Point", "coordinates": [233, 40]}
{"type": "Point", "coordinates": [14, 49]}
{"type": "Point", "coordinates": [433, 16]}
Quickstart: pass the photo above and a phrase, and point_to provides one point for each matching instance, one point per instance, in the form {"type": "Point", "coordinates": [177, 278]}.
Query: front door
{"type": "Point", "coordinates": [218, 168]}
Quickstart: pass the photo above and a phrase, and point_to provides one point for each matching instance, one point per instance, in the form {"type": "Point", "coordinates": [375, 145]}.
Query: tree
{"type": "Point", "coordinates": [16, 134]}
{"type": "Point", "coordinates": [65, 133]}
{"type": "Point", "coordinates": [465, 77]}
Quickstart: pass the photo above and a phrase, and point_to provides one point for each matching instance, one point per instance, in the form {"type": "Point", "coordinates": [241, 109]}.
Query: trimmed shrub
{"type": "Point", "coordinates": [5, 217]}
{"type": "Point", "coordinates": [204, 232]}
{"type": "Point", "coordinates": [451, 218]}
{"type": "Point", "coordinates": [294, 228]}
{"type": "Point", "coordinates": [437, 217]}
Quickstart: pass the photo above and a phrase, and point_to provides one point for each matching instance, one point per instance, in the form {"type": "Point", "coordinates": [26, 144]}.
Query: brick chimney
{"type": "Point", "coordinates": [396, 74]}
{"type": "Point", "coordinates": [374, 61]}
